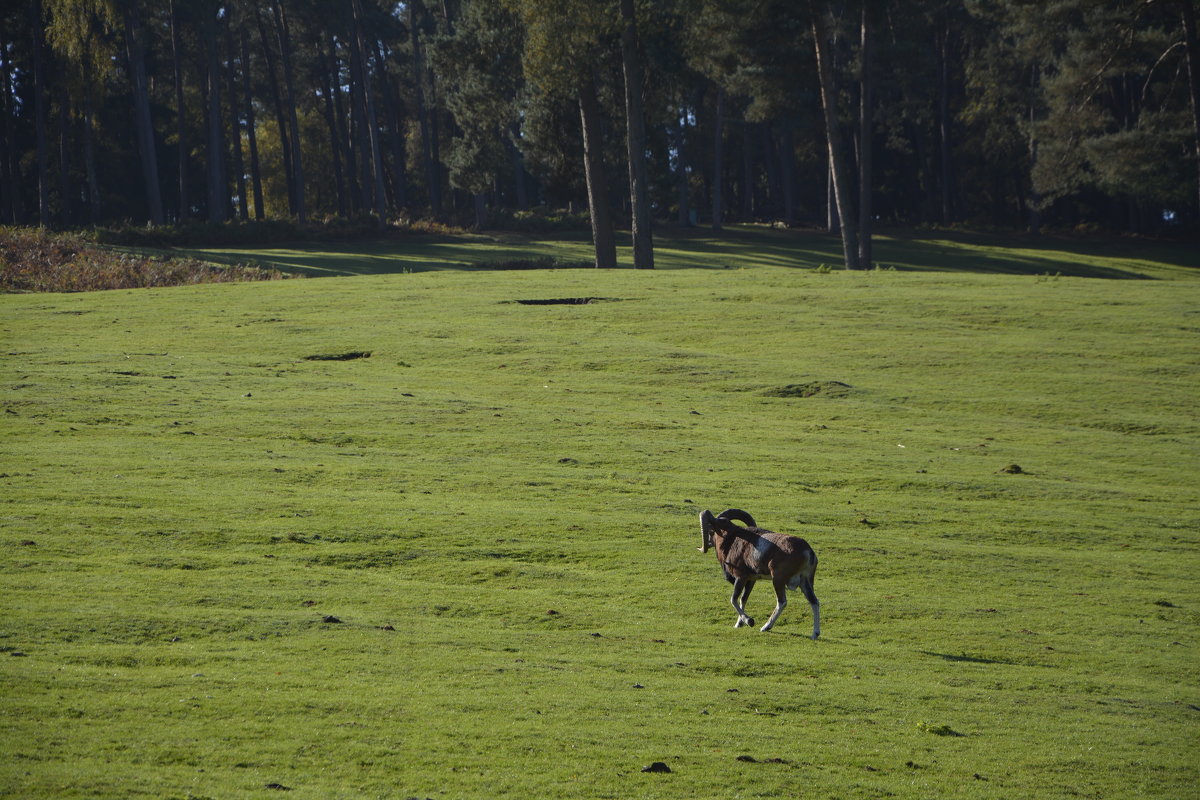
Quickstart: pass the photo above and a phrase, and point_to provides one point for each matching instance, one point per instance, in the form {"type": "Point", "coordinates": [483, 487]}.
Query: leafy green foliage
{"type": "Point", "coordinates": [466, 565]}
{"type": "Point", "coordinates": [1097, 96]}
{"type": "Point", "coordinates": [481, 66]}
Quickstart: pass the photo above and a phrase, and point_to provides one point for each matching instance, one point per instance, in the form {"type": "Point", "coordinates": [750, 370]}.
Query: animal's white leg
{"type": "Point", "coordinates": [740, 608]}
{"type": "Point", "coordinates": [741, 614]}
{"type": "Point", "coordinates": [780, 604]}
{"type": "Point", "coordinates": [816, 609]}
{"type": "Point", "coordinates": [749, 620]}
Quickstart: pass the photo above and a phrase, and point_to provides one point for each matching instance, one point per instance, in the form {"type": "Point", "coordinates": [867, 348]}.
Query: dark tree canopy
{"type": "Point", "coordinates": [839, 114]}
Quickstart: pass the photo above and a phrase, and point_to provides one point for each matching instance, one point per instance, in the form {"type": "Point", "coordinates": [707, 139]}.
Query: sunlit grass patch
{"type": "Point", "coordinates": [466, 565]}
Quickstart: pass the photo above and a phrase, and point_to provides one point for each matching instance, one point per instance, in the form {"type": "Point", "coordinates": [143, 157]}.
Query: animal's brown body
{"type": "Point", "coordinates": [749, 553]}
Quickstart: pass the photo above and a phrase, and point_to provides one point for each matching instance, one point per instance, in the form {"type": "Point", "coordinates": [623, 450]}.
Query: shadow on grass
{"type": "Point", "coordinates": [741, 246]}
{"type": "Point", "coordinates": [966, 658]}
{"type": "Point", "coordinates": [1025, 254]}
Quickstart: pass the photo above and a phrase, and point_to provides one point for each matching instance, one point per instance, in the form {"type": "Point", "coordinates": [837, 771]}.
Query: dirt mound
{"type": "Point", "coordinates": [811, 389]}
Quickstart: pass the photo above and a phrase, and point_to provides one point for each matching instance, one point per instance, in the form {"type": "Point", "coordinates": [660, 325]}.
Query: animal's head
{"type": "Point", "coordinates": [723, 522]}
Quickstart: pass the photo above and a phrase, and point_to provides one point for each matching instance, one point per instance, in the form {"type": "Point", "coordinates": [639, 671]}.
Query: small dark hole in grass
{"type": "Point", "coordinates": [563, 301]}
{"type": "Point", "coordinates": [349, 356]}
{"type": "Point", "coordinates": [965, 658]}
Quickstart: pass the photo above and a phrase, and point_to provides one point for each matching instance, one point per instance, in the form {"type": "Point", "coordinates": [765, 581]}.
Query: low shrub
{"type": "Point", "coordinates": [536, 262]}
{"type": "Point", "coordinates": [200, 234]}
{"type": "Point", "coordinates": [35, 260]}
{"type": "Point", "coordinates": [539, 220]}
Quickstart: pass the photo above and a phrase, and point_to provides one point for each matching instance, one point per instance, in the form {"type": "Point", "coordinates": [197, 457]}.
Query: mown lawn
{"type": "Point", "coordinates": [465, 565]}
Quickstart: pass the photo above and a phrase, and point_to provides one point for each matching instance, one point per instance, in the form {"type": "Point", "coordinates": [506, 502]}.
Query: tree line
{"type": "Point", "coordinates": [842, 114]}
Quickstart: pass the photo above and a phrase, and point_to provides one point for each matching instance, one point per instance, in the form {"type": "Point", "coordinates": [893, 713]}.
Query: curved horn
{"type": "Point", "coordinates": [706, 528]}
{"type": "Point", "coordinates": [739, 515]}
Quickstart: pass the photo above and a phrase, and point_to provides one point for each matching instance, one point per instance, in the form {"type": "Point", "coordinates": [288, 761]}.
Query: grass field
{"type": "Point", "coordinates": [738, 247]}
{"type": "Point", "coordinates": [465, 565]}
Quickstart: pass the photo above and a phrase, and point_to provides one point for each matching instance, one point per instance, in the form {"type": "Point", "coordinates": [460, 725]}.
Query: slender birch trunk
{"type": "Point", "coordinates": [865, 147]}
{"type": "Point", "coordinates": [839, 161]}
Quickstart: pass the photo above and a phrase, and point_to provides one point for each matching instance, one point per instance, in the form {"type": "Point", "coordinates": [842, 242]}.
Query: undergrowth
{"type": "Point", "coordinates": [327, 229]}
{"type": "Point", "coordinates": [35, 260]}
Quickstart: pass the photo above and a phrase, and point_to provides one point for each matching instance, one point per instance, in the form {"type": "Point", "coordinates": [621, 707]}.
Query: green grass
{"type": "Point", "coordinates": [739, 246]}
{"type": "Point", "coordinates": [499, 505]}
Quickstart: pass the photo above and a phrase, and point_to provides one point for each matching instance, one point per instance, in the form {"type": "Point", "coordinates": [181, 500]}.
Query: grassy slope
{"type": "Point", "coordinates": [185, 498]}
{"type": "Point", "coordinates": [738, 246]}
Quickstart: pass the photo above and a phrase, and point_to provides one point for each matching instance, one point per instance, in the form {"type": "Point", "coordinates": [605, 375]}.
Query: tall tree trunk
{"type": "Point", "coordinates": [372, 124]}
{"type": "Point", "coordinates": [345, 128]}
{"type": "Point", "coordinates": [944, 124]}
{"type": "Point", "coordinates": [280, 117]}
{"type": "Point", "coordinates": [393, 109]}
{"type": "Point", "coordinates": [181, 150]}
{"type": "Point", "coordinates": [89, 158]}
{"type": "Point", "coordinates": [328, 81]}
{"type": "Point", "coordinates": [1193, 62]}
{"type": "Point", "coordinates": [866, 141]}
{"type": "Point", "coordinates": [285, 54]}
{"type": "Point", "coordinates": [832, 222]}
{"type": "Point", "coordinates": [772, 201]}
{"type": "Point", "coordinates": [11, 210]}
{"type": "Point", "coordinates": [481, 215]}
{"type": "Point", "coordinates": [1035, 198]}
{"type": "Point", "coordinates": [635, 139]}
{"type": "Point", "coordinates": [519, 176]}
{"type": "Point", "coordinates": [235, 125]}
{"type": "Point", "coordinates": [839, 161]}
{"type": "Point", "coordinates": [748, 171]}
{"type": "Point", "coordinates": [593, 167]}
{"type": "Point", "coordinates": [64, 158]}
{"type": "Point", "coordinates": [218, 191]}
{"type": "Point", "coordinates": [432, 182]}
{"type": "Point", "coordinates": [435, 149]}
{"type": "Point", "coordinates": [39, 112]}
{"type": "Point", "coordinates": [359, 125]}
{"type": "Point", "coordinates": [141, 107]}
{"type": "Point", "coordinates": [684, 218]}
{"type": "Point", "coordinates": [787, 172]}
{"type": "Point", "coordinates": [8, 182]}
{"type": "Point", "coordinates": [717, 185]}
{"type": "Point", "coordinates": [251, 131]}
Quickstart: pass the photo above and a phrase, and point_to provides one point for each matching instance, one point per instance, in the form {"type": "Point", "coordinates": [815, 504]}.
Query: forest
{"type": "Point", "coordinates": [1078, 115]}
